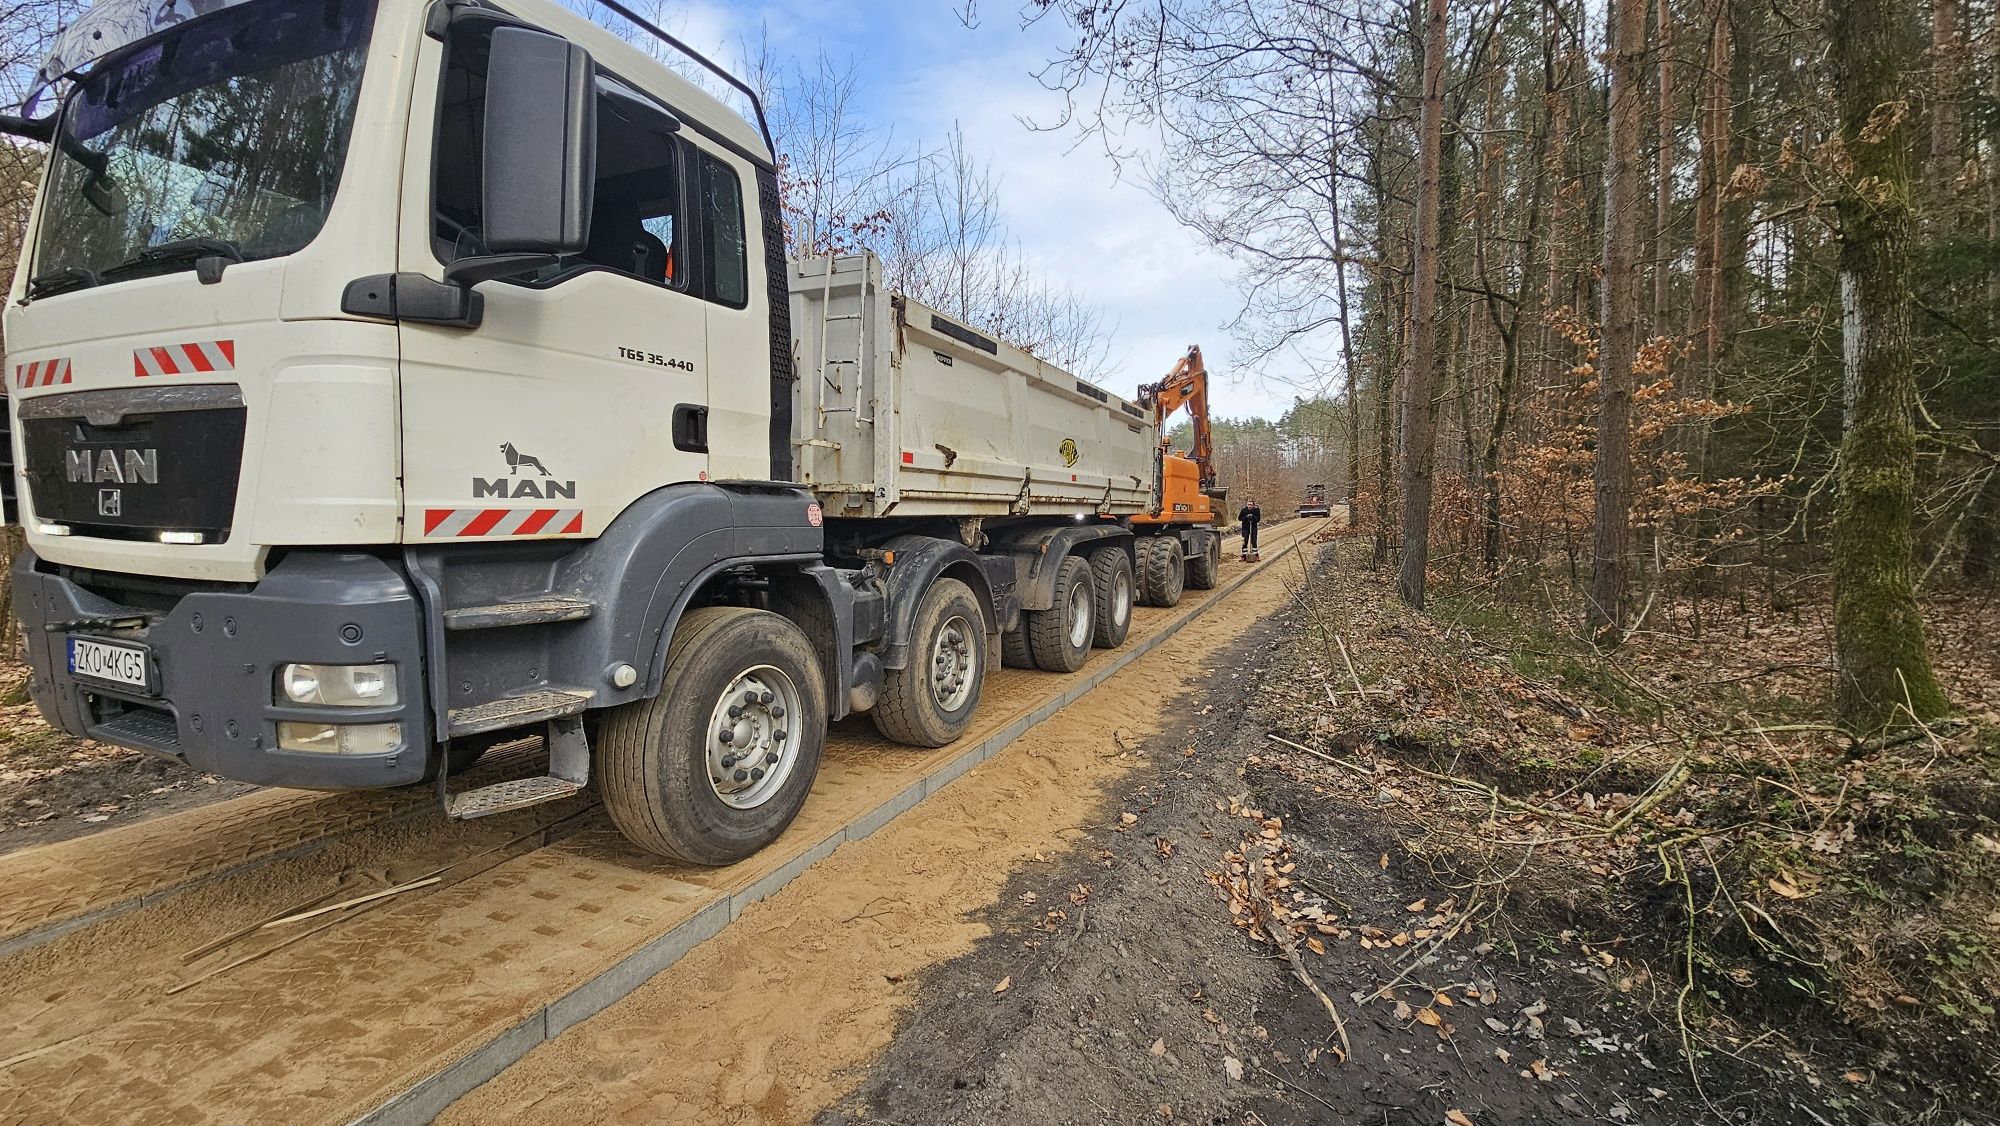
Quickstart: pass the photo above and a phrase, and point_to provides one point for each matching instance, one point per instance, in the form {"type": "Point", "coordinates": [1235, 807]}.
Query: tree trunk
{"type": "Point", "coordinates": [1418, 412]}
{"type": "Point", "coordinates": [1885, 673]}
{"type": "Point", "coordinates": [1663, 165]}
{"type": "Point", "coordinates": [1346, 341]}
{"type": "Point", "coordinates": [1947, 87]}
{"type": "Point", "coordinates": [1619, 347]}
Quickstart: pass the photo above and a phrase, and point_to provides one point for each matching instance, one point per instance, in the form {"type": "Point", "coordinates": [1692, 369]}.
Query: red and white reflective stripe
{"type": "Point", "coordinates": [42, 373]}
{"type": "Point", "coordinates": [448, 523]}
{"type": "Point", "coordinates": [185, 359]}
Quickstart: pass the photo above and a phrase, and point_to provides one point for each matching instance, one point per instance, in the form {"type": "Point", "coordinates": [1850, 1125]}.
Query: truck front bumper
{"type": "Point", "coordinates": [215, 655]}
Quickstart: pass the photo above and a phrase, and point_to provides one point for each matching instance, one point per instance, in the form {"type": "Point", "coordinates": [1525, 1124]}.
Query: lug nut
{"type": "Point", "coordinates": [767, 698]}
{"type": "Point", "coordinates": [726, 735]}
{"type": "Point", "coordinates": [736, 711]}
{"type": "Point", "coordinates": [779, 735]}
{"type": "Point", "coordinates": [757, 775]}
{"type": "Point", "coordinates": [771, 759]}
{"type": "Point", "coordinates": [729, 761]}
{"type": "Point", "coordinates": [778, 712]}
{"type": "Point", "coordinates": [741, 776]}
{"type": "Point", "coordinates": [749, 697]}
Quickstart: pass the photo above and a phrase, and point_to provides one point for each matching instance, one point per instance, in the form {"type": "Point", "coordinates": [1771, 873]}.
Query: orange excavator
{"type": "Point", "coordinates": [1179, 544]}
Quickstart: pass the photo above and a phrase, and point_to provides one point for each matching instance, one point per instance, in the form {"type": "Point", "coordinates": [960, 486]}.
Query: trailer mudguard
{"type": "Point", "coordinates": [921, 560]}
{"type": "Point", "coordinates": [1037, 554]}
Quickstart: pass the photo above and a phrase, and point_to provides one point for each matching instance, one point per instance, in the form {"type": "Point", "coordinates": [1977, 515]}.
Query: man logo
{"type": "Point", "coordinates": [516, 459]}
{"type": "Point", "coordinates": [1069, 453]}
{"type": "Point", "coordinates": [513, 487]}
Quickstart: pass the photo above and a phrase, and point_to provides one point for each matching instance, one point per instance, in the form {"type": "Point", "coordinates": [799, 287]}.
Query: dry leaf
{"type": "Point", "coordinates": [1384, 862]}
{"type": "Point", "coordinates": [1006, 983]}
{"type": "Point", "coordinates": [1416, 908]}
{"type": "Point", "coordinates": [1234, 1068]}
{"type": "Point", "coordinates": [1158, 1049]}
{"type": "Point", "coordinates": [1316, 946]}
{"type": "Point", "coordinates": [1128, 818]}
{"type": "Point", "coordinates": [1457, 1118]}
{"type": "Point", "coordinates": [1428, 1015]}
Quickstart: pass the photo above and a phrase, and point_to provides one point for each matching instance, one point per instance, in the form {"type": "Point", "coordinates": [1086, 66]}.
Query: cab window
{"type": "Point", "coordinates": [636, 202]}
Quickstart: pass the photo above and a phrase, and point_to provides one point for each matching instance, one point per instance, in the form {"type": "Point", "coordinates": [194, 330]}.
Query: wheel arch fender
{"type": "Point", "coordinates": [919, 562]}
{"type": "Point", "coordinates": [662, 551]}
{"type": "Point", "coordinates": [1038, 554]}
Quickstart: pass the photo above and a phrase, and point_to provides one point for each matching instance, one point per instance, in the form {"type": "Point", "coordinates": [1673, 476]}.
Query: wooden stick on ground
{"type": "Point", "coordinates": [214, 944]}
{"type": "Point", "coordinates": [1281, 936]}
{"type": "Point", "coordinates": [356, 901]}
{"type": "Point", "coordinates": [1358, 689]}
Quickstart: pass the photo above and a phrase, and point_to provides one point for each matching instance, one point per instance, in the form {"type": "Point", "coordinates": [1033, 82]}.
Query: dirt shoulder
{"type": "Point", "coordinates": [1141, 982]}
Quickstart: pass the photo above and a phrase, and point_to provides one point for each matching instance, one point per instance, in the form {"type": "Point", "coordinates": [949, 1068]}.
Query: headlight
{"type": "Point", "coordinates": [341, 738]}
{"type": "Point", "coordinates": [340, 686]}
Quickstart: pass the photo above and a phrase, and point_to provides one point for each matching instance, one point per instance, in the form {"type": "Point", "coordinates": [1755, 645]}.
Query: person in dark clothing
{"type": "Point", "coordinates": [1249, 517]}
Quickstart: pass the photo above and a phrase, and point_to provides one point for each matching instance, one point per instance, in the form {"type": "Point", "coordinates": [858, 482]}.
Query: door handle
{"type": "Point", "coordinates": [691, 428]}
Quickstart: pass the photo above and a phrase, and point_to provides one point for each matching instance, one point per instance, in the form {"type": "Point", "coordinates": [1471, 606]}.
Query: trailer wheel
{"type": "Point", "coordinates": [1162, 570]}
{"type": "Point", "coordinates": [715, 766]}
{"type": "Point", "coordinates": [1014, 651]}
{"type": "Point", "coordinates": [1204, 567]}
{"type": "Point", "coordinates": [1060, 636]}
{"type": "Point", "coordinates": [929, 702]}
{"type": "Point", "coordinates": [1111, 578]}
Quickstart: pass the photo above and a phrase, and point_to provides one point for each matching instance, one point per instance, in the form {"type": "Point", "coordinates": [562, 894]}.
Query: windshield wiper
{"type": "Point", "coordinates": [61, 281]}
{"type": "Point", "coordinates": [209, 256]}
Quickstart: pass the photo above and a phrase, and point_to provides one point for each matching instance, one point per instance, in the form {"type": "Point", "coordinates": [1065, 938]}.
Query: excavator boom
{"type": "Point", "coordinates": [1186, 386]}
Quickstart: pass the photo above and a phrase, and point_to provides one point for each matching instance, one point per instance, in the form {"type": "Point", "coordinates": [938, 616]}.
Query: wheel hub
{"type": "Point", "coordinates": [954, 664]}
{"type": "Point", "coordinates": [1121, 597]}
{"type": "Point", "coordinates": [1079, 616]}
{"type": "Point", "coordinates": [752, 738]}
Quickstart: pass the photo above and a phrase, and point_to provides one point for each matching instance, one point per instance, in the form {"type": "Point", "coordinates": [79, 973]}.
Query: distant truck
{"type": "Point", "coordinates": [392, 379]}
{"type": "Point", "coordinates": [1315, 503]}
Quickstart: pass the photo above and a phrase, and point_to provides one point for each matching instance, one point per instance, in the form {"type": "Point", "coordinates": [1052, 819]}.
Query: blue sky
{"type": "Point", "coordinates": [921, 69]}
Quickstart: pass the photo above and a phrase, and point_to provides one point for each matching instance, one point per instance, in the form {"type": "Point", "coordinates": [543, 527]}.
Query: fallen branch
{"type": "Point", "coordinates": [1669, 784]}
{"type": "Point", "coordinates": [1281, 937]}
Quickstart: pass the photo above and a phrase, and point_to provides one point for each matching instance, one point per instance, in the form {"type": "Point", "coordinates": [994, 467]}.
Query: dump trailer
{"type": "Point", "coordinates": [389, 380]}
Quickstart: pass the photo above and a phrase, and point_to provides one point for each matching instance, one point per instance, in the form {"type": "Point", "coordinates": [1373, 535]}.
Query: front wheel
{"type": "Point", "coordinates": [717, 765]}
{"type": "Point", "coordinates": [930, 701]}
{"type": "Point", "coordinates": [1162, 571]}
{"type": "Point", "coordinates": [1203, 569]}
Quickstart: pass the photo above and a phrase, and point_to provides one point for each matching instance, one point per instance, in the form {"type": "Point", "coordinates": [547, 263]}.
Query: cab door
{"type": "Point", "coordinates": [584, 384]}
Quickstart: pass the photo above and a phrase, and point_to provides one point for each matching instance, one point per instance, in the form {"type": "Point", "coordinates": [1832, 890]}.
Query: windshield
{"type": "Point", "coordinates": [221, 138]}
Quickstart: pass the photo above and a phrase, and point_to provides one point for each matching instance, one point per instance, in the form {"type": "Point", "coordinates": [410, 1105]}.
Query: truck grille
{"type": "Point", "coordinates": [128, 464]}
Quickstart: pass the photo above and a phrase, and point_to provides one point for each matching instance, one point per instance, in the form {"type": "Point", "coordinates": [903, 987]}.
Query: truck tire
{"type": "Point", "coordinates": [1060, 636]}
{"type": "Point", "coordinates": [661, 762]}
{"type": "Point", "coordinates": [1162, 570]}
{"type": "Point", "coordinates": [1014, 651]}
{"type": "Point", "coordinates": [1206, 565]}
{"type": "Point", "coordinates": [1111, 578]}
{"type": "Point", "coordinates": [929, 702]}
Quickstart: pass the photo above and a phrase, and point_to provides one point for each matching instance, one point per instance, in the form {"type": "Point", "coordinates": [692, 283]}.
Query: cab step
{"type": "Point", "coordinates": [569, 772]}
{"type": "Point", "coordinates": [525, 612]}
{"type": "Point", "coordinates": [517, 711]}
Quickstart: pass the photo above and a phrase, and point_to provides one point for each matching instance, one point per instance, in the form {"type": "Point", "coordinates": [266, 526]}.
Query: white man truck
{"type": "Point", "coordinates": [388, 379]}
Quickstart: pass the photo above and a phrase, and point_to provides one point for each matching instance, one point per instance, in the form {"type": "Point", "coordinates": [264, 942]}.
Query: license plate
{"type": "Point", "coordinates": [127, 665]}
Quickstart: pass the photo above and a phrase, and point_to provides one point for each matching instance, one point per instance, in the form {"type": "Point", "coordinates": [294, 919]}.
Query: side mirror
{"type": "Point", "coordinates": [540, 161]}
